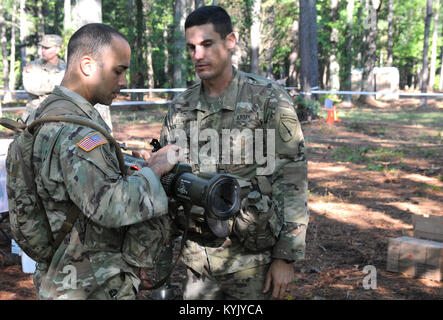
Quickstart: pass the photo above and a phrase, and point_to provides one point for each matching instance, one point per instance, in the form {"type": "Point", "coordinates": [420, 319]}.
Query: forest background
{"type": "Point", "coordinates": [369, 174]}
{"type": "Point", "coordinates": [304, 43]}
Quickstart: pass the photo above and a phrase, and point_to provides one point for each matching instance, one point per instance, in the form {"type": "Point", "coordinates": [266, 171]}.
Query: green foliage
{"type": "Point", "coordinates": [349, 154]}
{"type": "Point", "coordinates": [306, 109]}
{"type": "Point", "coordinates": [157, 16]}
{"type": "Point", "coordinates": [375, 159]}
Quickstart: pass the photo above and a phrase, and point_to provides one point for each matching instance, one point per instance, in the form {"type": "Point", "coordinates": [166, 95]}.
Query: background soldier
{"type": "Point", "coordinates": [42, 75]}
{"type": "Point", "coordinates": [268, 234]}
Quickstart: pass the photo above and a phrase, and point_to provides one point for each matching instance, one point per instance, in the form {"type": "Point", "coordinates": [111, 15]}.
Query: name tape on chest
{"type": "Point", "coordinates": [92, 141]}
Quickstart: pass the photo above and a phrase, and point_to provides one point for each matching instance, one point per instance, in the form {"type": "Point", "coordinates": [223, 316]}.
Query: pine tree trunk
{"type": "Point", "coordinates": [40, 19]}
{"type": "Point", "coordinates": [67, 17]}
{"type": "Point", "coordinates": [166, 53]}
{"type": "Point", "coordinates": [368, 83]}
{"type": "Point", "coordinates": [12, 56]}
{"type": "Point", "coordinates": [179, 44]}
{"type": "Point", "coordinates": [139, 33]}
{"type": "Point", "coordinates": [86, 11]}
{"type": "Point", "coordinates": [349, 41]}
{"type": "Point", "coordinates": [148, 52]}
{"type": "Point", "coordinates": [424, 76]}
{"type": "Point", "coordinates": [270, 51]}
{"type": "Point", "coordinates": [255, 35]}
{"type": "Point", "coordinates": [22, 34]}
{"type": "Point", "coordinates": [3, 43]}
{"type": "Point", "coordinates": [57, 17]}
{"type": "Point", "coordinates": [434, 48]}
{"type": "Point", "coordinates": [390, 43]}
{"type": "Point", "coordinates": [440, 86]}
{"type": "Point", "coordinates": [308, 47]}
{"type": "Point", "coordinates": [334, 67]}
{"type": "Point", "coordinates": [293, 56]}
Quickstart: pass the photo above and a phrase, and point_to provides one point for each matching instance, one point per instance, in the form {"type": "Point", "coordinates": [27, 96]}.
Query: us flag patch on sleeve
{"type": "Point", "coordinates": [91, 141]}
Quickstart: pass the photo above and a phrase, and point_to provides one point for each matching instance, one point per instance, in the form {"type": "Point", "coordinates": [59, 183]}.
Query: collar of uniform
{"type": "Point", "coordinates": [61, 64]}
{"type": "Point", "coordinates": [229, 96]}
{"type": "Point", "coordinates": [79, 101]}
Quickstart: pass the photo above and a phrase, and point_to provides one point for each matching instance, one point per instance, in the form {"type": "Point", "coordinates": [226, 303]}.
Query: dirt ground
{"type": "Point", "coordinates": [367, 177]}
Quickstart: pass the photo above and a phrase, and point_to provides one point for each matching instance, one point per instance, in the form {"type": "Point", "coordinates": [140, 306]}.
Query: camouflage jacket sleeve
{"type": "Point", "coordinates": [289, 179]}
{"type": "Point", "coordinates": [165, 134]}
{"type": "Point", "coordinates": [92, 179]}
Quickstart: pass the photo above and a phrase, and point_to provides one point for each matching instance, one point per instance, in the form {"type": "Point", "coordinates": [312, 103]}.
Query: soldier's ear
{"type": "Point", "coordinates": [87, 66]}
{"type": "Point", "coordinates": [231, 41]}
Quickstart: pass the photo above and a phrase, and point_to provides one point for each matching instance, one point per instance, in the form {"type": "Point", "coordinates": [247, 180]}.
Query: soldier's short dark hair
{"type": "Point", "coordinates": [211, 14]}
{"type": "Point", "coordinates": [90, 40]}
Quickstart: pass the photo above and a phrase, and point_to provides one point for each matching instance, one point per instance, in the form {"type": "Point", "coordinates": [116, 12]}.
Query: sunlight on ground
{"type": "Point", "coordinates": [430, 283]}
{"type": "Point", "coordinates": [7, 295]}
{"type": "Point", "coordinates": [418, 209]}
{"type": "Point", "coordinates": [350, 213]}
{"type": "Point", "coordinates": [322, 169]}
{"type": "Point", "coordinates": [335, 169]}
{"type": "Point", "coordinates": [28, 283]}
{"type": "Point", "coordinates": [423, 179]}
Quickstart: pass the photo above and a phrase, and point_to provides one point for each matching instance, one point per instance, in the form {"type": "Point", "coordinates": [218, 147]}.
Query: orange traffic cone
{"type": "Point", "coordinates": [330, 118]}
{"type": "Point", "coordinates": [336, 118]}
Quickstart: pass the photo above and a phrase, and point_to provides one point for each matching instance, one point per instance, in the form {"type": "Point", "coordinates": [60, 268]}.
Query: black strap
{"type": "Point", "coordinates": [67, 226]}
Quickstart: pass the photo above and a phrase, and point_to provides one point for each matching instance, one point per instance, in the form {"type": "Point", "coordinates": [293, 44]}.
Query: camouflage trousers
{"type": "Point", "coordinates": [242, 285]}
{"type": "Point", "coordinates": [118, 287]}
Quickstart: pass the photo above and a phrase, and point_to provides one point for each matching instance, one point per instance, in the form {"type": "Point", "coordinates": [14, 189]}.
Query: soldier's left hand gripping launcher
{"type": "Point", "coordinates": [218, 194]}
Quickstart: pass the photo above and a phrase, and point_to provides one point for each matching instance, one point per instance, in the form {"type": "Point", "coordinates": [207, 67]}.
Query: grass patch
{"type": "Point", "coordinates": [427, 119]}
{"type": "Point", "coordinates": [348, 154]}
{"type": "Point", "coordinates": [376, 159]}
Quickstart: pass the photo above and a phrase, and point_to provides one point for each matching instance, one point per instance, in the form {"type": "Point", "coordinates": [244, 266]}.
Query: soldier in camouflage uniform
{"type": "Point", "coordinates": [268, 234]}
{"type": "Point", "coordinates": [122, 224]}
{"type": "Point", "coordinates": [42, 75]}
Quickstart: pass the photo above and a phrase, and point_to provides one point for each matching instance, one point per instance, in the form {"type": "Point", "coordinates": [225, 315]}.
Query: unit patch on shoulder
{"type": "Point", "coordinates": [287, 127]}
{"type": "Point", "coordinates": [91, 141]}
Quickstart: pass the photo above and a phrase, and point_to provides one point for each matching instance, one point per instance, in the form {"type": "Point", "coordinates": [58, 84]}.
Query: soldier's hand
{"type": "Point", "coordinates": [280, 275]}
{"type": "Point", "coordinates": [163, 160]}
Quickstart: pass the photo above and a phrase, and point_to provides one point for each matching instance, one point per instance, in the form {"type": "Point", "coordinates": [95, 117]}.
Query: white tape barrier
{"type": "Point", "coordinates": [134, 103]}
{"type": "Point", "coordinates": [160, 102]}
{"type": "Point", "coordinates": [417, 94]}
{"type": "Point", "coordinates": [400, 94]}
{"type": "Point", "coordinates": [152, 90]}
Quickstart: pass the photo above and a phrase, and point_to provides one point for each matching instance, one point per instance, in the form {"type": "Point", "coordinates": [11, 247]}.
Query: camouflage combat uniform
{"type": "Point", "coordinates": [122, 225]}
{"type": "Point", "coordinates": [255, 103]}
{"type": "Point", "coordinates": [39, 79]}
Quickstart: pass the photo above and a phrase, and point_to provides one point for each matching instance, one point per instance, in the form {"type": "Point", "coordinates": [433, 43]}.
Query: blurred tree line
{"type": "Point", "coordinates": [302, 43]}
